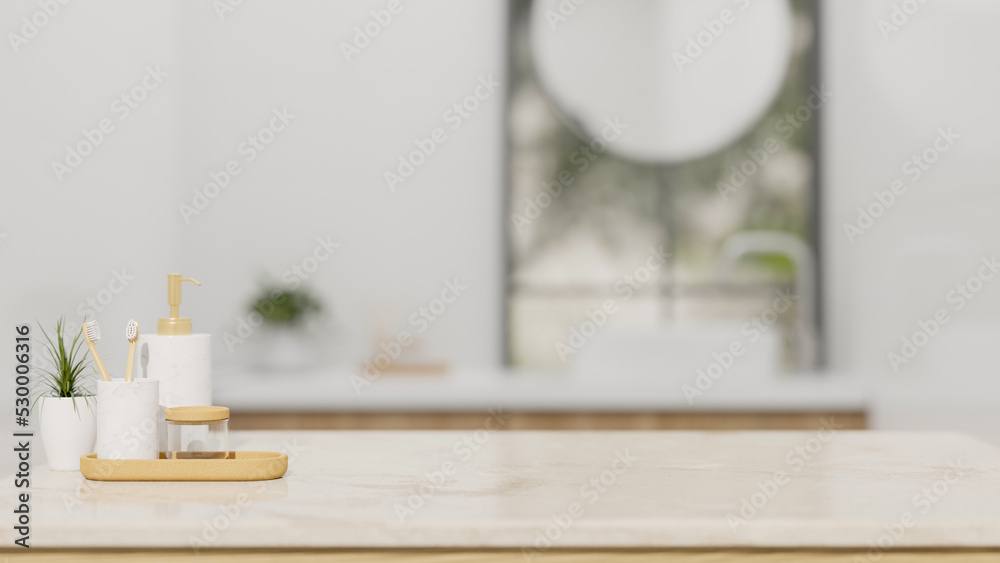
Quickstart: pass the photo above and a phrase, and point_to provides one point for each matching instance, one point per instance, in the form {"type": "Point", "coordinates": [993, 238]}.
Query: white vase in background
{"type": "Point", "coordinates": [283, 349]}
{"type": "Point", "coordinates": [68, 431]}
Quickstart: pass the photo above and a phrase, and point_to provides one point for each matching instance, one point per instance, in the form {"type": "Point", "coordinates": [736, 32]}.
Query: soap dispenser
{"type": "Point", "coordinates": [180, 360]}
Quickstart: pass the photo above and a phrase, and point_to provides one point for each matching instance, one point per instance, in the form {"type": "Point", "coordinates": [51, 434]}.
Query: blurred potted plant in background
{"type": "Point", "coordinates": [287, 335]}
{"type": "Point", "coordinates": [66, 406]}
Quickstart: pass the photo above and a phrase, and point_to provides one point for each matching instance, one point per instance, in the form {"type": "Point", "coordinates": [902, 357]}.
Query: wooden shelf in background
{"type": "Point", "coordinates": [544, 421]}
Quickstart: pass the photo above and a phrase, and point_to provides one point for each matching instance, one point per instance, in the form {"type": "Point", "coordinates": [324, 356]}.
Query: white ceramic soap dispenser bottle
{"type": "Point", "coordinates": [181, 361]}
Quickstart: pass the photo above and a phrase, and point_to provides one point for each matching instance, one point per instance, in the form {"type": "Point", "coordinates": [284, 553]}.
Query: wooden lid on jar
{"type": "Point", "coordinates": [197, 414]}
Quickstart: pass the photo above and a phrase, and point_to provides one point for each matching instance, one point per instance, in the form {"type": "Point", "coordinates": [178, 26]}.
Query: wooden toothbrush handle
{"type": "Point", "coordinates": [131, 361]}
{"type": "Point", "coordinates": [97, 360]}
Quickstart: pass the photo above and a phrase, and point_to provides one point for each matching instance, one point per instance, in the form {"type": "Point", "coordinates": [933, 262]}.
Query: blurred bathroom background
{"type": "Point", "coordinates": [590, 214]}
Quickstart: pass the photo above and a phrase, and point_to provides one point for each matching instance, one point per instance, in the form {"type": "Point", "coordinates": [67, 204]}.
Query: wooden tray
{"type": "Point", "coordinates": [239, 466]}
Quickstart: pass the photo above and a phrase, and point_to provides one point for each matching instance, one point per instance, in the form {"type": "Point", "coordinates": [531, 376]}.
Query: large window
{"type": "Point", "coordinates": [586, 226]}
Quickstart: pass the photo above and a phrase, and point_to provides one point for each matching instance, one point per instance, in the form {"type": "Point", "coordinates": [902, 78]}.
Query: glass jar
{"type": "Point", "coordinates": [197, 432]}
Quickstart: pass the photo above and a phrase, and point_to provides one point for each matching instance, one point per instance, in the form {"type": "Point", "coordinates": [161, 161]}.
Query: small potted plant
{"type": "Point", "coordinates": [288, 328]}
{"type": "Point", "coordinates": [67, 418]}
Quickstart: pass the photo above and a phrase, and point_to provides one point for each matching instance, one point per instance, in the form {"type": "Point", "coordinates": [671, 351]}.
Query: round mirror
{"type": "Point", "coordinates": [683, 78]}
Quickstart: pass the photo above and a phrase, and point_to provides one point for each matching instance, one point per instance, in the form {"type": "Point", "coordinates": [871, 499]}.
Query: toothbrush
{"type": "Point", "coordinates": [92, 333]}
{"type": "Point", "coordinates": [131, 334]}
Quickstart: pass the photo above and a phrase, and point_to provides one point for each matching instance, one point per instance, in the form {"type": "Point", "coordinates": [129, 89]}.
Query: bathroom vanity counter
{"type": "Point", "coordinates": [468, 390]}
{"type": "Point", "coordinates": [503, 496]}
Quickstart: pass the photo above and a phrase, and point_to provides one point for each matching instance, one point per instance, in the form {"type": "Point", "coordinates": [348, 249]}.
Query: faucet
{"type": "Point", "coordinates": [742, 244]}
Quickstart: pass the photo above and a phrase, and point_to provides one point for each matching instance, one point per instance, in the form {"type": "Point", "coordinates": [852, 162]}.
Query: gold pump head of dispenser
{"type": "Point", "coordinates": [175, 325]}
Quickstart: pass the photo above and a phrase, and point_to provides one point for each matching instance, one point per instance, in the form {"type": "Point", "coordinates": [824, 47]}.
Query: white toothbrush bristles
{"type": "Point", "coordinates": [131, 334]}
{"type": "Point", "coordinates": [93, 330]}
{"type": "Point", "coordinates": [93, 334]}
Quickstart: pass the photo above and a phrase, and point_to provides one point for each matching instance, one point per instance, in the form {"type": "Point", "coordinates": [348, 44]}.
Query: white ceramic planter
{"type": "Point", "coordinates": [127, 414]}
{"type": "Point", "coordinates": [283, 349]}
{"type": "Point", "coordinates": [67, 432]}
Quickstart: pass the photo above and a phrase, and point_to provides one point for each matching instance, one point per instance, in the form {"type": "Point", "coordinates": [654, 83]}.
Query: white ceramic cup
{"type": "Point", "coordinates": [127, 419]}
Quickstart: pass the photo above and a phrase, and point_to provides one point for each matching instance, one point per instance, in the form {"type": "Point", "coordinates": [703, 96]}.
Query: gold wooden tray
{"type": "Point", "coordinates": [239, 466]}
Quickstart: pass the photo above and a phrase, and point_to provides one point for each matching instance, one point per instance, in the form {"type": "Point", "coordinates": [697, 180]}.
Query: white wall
{"type": "Point", "coordinates": [890, 98]}
{"type": "Point", "coordinates": [113, 212]}
{"type": "Point", "coordinates": [321, 177]}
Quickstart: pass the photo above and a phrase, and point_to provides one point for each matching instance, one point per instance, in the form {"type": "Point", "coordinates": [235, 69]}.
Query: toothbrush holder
{"type": "Point", "coordinates": [127, 419]}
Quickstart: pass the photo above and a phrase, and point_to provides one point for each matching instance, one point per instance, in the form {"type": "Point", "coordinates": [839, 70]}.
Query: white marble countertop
{"type": "Point", "coordinates": [470, 390]}
{"type": "Point", "coordinates": [490, 489]}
